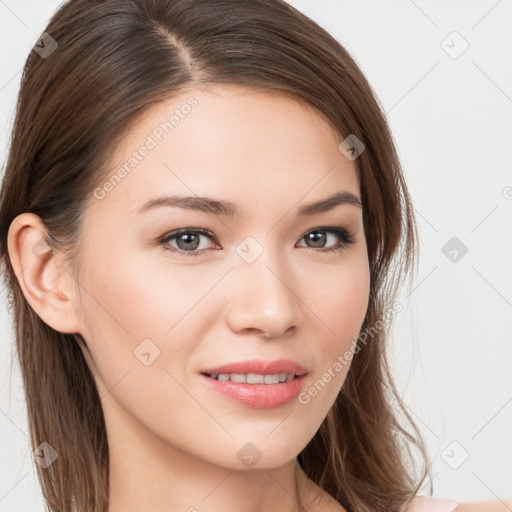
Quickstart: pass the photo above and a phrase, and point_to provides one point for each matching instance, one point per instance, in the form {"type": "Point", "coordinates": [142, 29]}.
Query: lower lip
{"type": "Point", "coordinates": [258, 396]}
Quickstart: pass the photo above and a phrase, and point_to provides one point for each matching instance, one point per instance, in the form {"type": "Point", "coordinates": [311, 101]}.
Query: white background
{"type": "Point", "coordinates": [451, 120]}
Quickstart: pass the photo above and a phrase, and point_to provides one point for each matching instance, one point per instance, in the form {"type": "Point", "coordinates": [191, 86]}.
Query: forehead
{"type": "Point", "coordinates": [242, 144]}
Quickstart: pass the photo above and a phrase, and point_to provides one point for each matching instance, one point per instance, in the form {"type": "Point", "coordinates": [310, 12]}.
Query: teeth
{"type": "Point", "coordinates": [254, 378]}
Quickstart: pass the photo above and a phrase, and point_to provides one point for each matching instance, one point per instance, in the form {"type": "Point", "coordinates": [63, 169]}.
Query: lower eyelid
{"type": "Point", "coordinates": [166, 239]}
{"type": "Point", "coordinates": [344, 236]}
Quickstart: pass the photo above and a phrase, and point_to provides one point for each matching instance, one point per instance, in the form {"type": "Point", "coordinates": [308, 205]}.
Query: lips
{"type": "Point", "coordinates": [282, 379]}
{"type": "Point", "coordinates": [259, 366]}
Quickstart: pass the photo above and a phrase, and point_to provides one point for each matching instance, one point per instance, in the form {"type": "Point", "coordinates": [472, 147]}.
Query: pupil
{"type": "Point", "coordinates": [317, 238]}
{"type": "Point", "coordinates": [189, 243]}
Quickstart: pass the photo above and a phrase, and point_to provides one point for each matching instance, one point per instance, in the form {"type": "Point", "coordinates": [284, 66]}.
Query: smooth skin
{"type": "Point", "coordinates": [174, 442]}
{"type": "Point", "coordinates": [427, 504]}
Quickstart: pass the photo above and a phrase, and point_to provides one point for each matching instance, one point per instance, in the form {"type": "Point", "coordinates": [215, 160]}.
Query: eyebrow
{"type": "Point", "coordinates": [229, 209]}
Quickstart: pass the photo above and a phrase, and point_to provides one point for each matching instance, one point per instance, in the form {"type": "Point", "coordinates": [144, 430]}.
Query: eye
{"type": "Point", "coordinates": [188, 240]}
{"type": "Point", "coordinates": [317, 237]}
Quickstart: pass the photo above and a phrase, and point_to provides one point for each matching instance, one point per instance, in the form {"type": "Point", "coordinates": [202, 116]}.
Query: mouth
{"type": "Point", "coordinates": [256, 370]}
{"type": "Point", "coordinates": [253, 378]}
{"type": "Point", "coordinates": [257, 384]}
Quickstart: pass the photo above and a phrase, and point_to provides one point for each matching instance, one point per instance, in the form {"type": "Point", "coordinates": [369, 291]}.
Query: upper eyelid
{"type": "Point", "coordinates": [171, 235]}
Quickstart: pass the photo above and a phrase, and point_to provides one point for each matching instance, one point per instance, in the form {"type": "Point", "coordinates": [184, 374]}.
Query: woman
{"type": "Point", "coordinates": [204, 225]}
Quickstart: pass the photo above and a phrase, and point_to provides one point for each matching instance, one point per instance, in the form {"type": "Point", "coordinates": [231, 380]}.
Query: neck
{"type": "Point", "coordinates": [148, 474]}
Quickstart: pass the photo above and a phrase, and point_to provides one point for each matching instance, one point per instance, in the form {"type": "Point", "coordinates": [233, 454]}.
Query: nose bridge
{"type": "Point", "coordinates": [265, 299]}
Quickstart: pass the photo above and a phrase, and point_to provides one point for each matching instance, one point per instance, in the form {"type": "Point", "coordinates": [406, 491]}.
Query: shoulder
{"type": "Point", "coordinates": [427, 504]}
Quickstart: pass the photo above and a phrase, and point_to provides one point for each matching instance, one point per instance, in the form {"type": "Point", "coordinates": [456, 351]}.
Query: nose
{"type": "Point", "coordinates": [264, 298]}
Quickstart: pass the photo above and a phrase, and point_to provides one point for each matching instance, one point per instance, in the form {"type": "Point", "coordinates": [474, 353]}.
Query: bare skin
{"type": "Point", "coordinates": [486, 506]}
{"type": "Point", "coordinates": [174, 442]}
{"type": "Point", "coordinates": [426, 504]}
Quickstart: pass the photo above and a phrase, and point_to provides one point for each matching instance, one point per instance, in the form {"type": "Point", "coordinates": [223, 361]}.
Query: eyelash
{"type": "Point", "coordinates": [346, 237]}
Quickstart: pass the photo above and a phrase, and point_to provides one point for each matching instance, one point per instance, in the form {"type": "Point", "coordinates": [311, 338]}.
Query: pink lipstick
{"type": "Point", "coordinates": [257, 383]}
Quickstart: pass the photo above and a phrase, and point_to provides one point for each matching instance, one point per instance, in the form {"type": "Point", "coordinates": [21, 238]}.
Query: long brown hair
{"type": "Point", "coordinates": [113, 59]}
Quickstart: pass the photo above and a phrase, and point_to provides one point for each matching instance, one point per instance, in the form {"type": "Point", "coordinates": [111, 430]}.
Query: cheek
{"type": "Point", "coordinates": [341, 303]}
{"type": "Point", "coordinates": [138, 299]}
{"type": "Point", "coordinates": [137, 332]}
{"type": "Point", "coordinates": [128, 303]}
{"type": "Point", "coordinates": [341, 307]}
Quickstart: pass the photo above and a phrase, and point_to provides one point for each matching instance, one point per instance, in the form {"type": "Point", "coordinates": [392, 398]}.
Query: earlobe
{"type": "Point", "coordinates": [46, 284]}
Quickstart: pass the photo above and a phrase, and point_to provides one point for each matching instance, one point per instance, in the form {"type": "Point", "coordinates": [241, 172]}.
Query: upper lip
{"type": "Point", "coordinates": [260, 367]}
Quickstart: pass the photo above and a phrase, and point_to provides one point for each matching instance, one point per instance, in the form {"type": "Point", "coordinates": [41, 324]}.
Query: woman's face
{"type": "Point", "coordinates": [260, 284]}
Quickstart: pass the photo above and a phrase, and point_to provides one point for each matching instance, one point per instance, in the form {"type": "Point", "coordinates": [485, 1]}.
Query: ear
{"type": "Point", "coordinates": [47, 285]}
